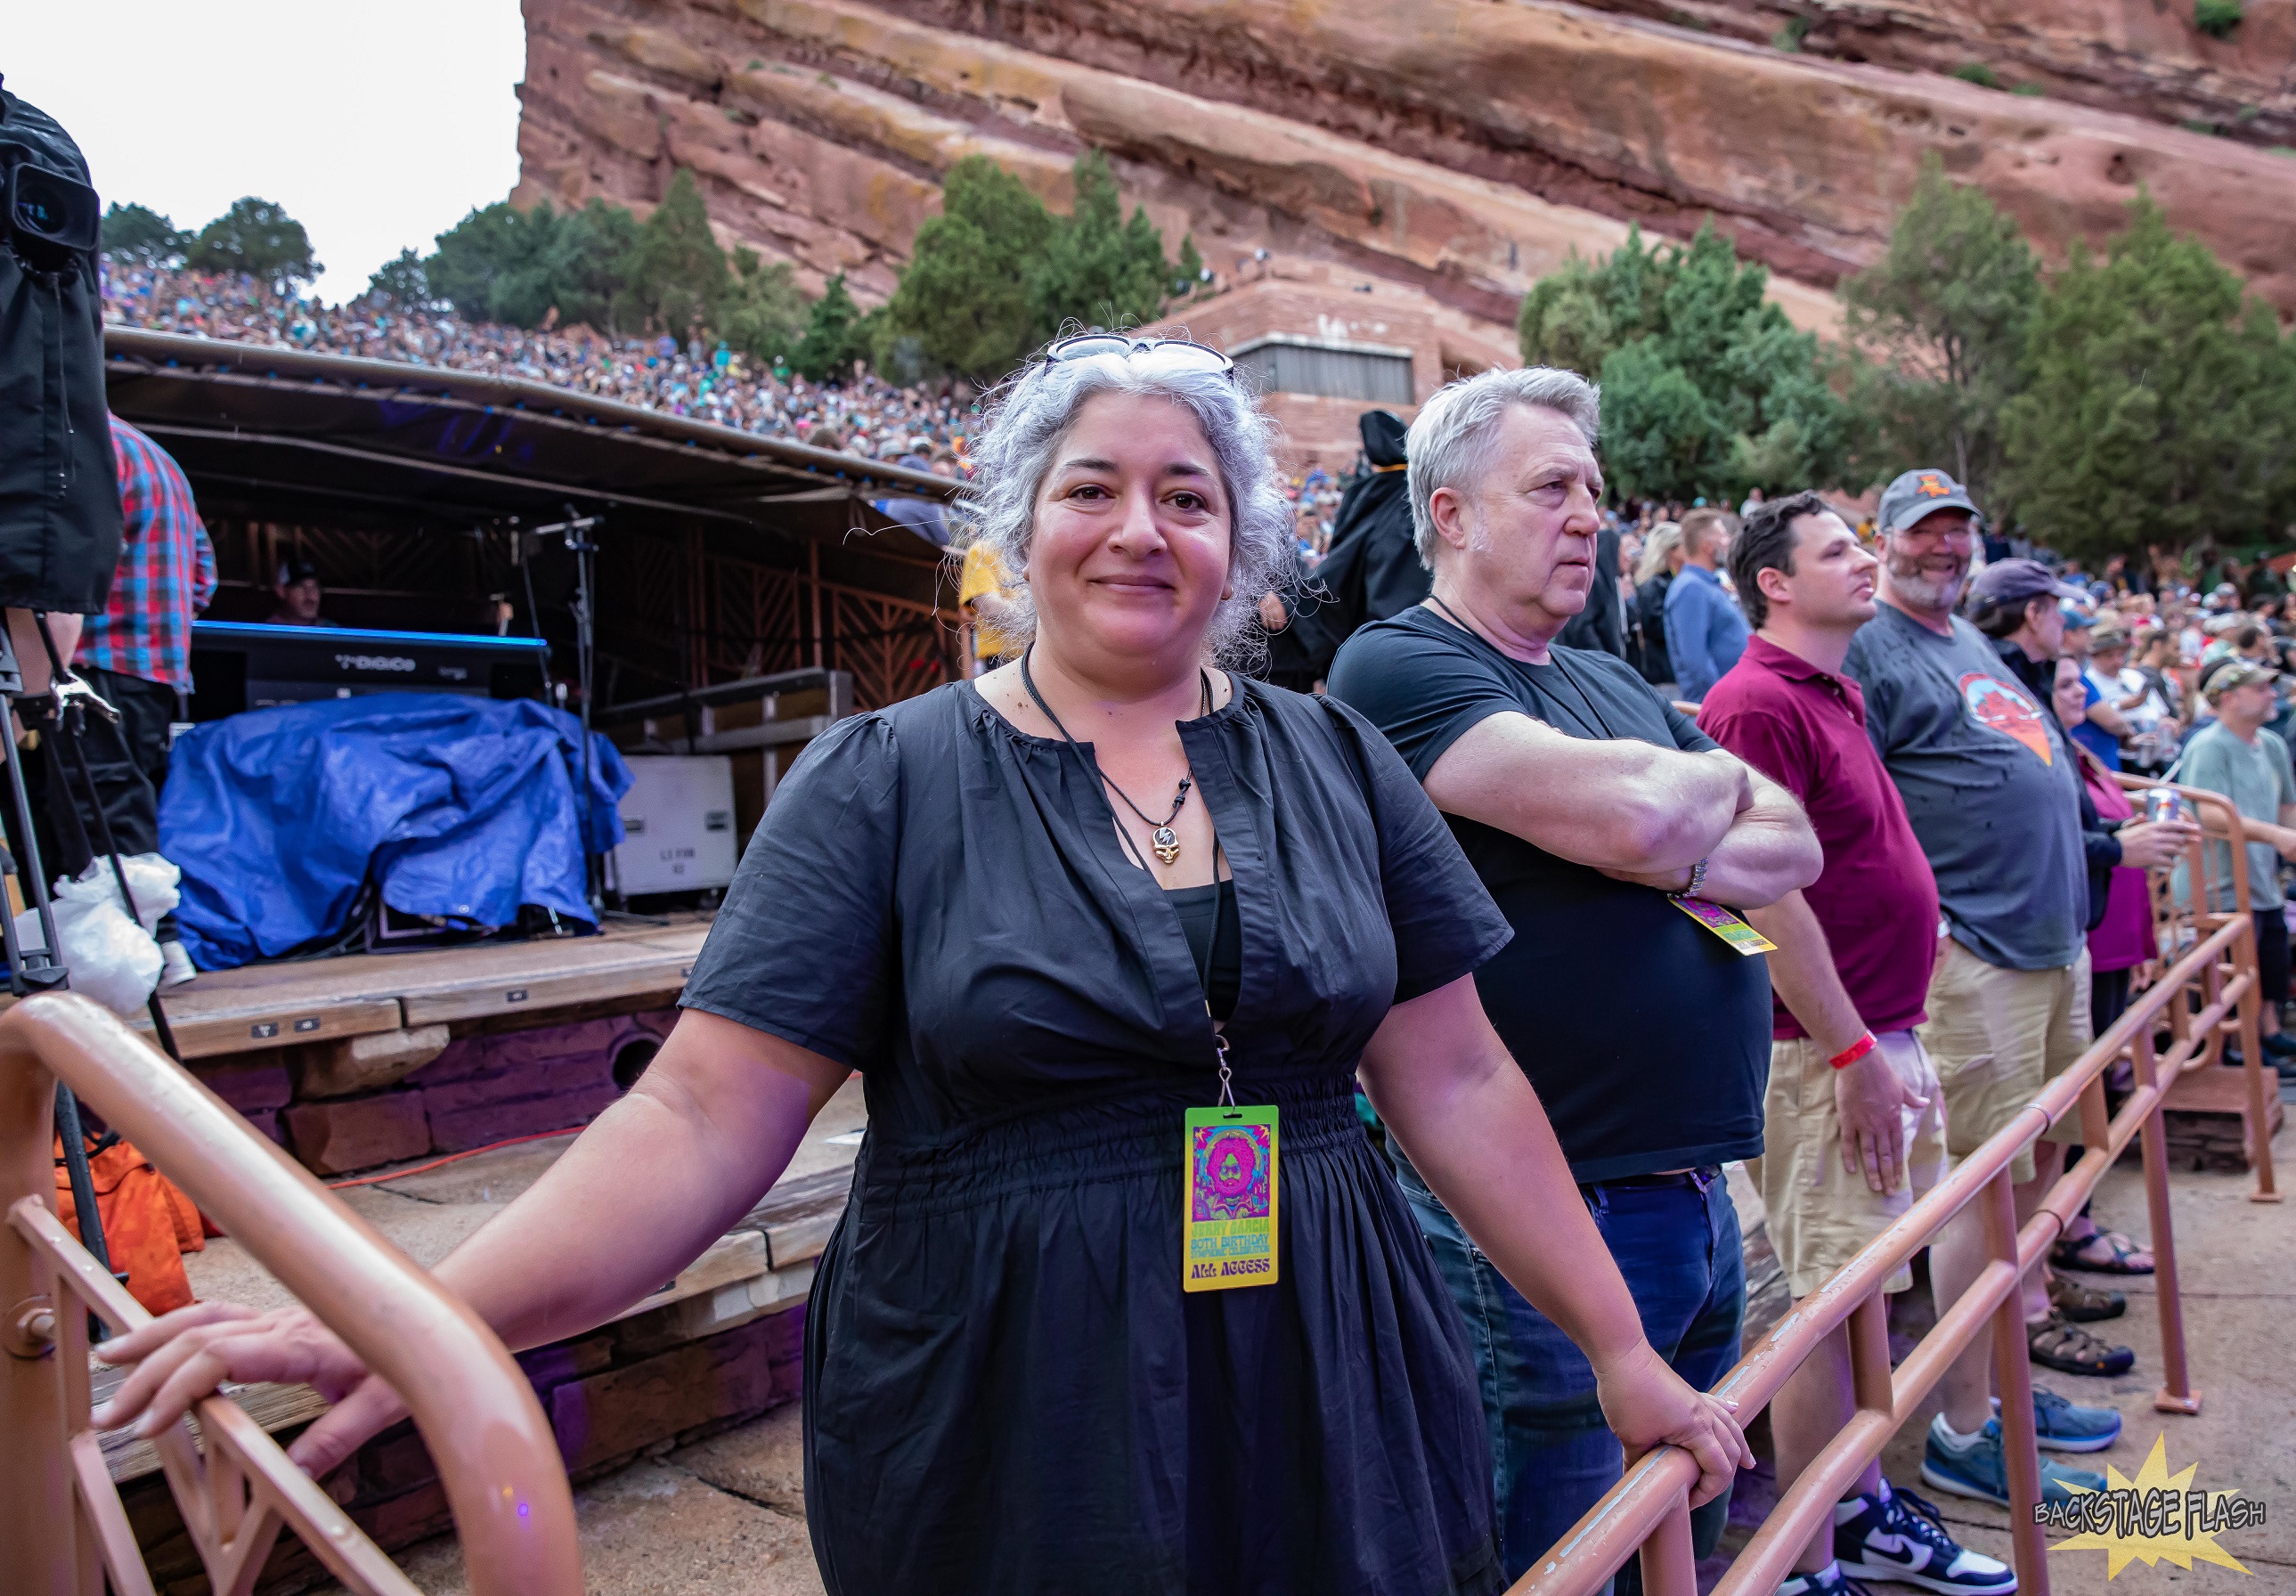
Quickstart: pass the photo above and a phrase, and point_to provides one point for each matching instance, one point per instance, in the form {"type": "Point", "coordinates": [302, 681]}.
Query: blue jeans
{"type": "Point", "coordinates": [1553, 1457]}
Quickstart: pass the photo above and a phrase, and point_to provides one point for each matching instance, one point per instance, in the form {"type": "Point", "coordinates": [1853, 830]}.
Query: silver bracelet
{"type": "Point", "coordinates": [1697, 878]}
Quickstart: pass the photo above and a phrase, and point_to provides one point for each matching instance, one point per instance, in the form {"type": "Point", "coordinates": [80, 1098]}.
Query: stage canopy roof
{"type": "Point", "coordinates": [283, 434]}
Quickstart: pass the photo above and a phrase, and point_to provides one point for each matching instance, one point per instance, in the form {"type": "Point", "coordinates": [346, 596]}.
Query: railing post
{"type": "Point", "coordinates": [41, 1548]}
{"type": "Point", "coordinates": [2260, 1097]}
{"type": "Point", "coordinates": [1669, 1566]}
{"type": "Point", "coordinates": [2012, 1371]}
{"type": "Point", "coordinates": [2177, 1395]}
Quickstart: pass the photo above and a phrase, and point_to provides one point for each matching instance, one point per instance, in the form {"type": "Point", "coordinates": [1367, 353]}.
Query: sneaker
{"type": "Point", "coordinates": [1978, 1468]}
{"type": "Point", "coordinates": [1898, 1536]}
{"type": "Point", "coordinates": [2064, 1425]}
{"type": "Point", "coordinates": [2280, 1045]}
{"type": "Point", "coordinates": [176, 966]}
{"type": "Point", "coordinates": [1828, 1581]}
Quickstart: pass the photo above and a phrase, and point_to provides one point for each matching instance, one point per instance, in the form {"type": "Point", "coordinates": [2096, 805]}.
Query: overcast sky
{"type": "Point", "coordinates": [376, 126]}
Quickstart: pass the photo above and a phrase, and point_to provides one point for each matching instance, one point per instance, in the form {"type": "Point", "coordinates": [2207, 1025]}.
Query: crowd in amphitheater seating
{"type": "Point", "coordinates": [868, 417]}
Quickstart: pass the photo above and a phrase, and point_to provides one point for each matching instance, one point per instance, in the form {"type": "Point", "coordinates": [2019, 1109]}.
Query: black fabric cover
{"type": "Point", "coordinates": [1600, 626]}
{"type": "Point", "coordinates": [59, 488]}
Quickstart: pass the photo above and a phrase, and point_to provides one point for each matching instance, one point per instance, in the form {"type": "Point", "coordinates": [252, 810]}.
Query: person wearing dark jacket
{"type": "Point", "coordinates": [1371, 570]}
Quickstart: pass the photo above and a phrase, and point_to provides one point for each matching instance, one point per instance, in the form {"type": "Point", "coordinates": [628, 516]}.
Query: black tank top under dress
{"type": "Point", "coordinates": [1006, 1391]}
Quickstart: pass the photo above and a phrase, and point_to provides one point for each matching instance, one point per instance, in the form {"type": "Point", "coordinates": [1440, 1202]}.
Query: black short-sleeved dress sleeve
{"type": "Point", "coordinates": [813, 894]}
{"type": "Point", "coordinates": [1445, 923]}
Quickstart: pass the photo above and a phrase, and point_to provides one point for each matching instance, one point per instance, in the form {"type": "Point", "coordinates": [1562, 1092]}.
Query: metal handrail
{"type": "Point", "coordinates": [1649, 1508]}
{"type": "Point", "coordinates": [61, 1525]}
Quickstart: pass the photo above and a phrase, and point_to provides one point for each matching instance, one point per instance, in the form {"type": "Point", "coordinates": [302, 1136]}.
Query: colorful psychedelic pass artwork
{"type": "Point", "coordinates": [1230, 1217]}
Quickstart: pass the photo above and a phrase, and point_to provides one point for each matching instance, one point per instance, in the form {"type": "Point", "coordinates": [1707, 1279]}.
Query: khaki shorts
{"type": "Point", "coordinates": [1999, 1036]}
{"type": "Point", "coordinates": [1819, 1216]}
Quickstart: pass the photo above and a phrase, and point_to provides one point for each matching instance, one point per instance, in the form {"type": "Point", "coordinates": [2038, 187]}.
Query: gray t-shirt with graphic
{"type": "Point", "coordinates": [2256, 777]}
{"type": "Point", "coordinates": [1992, 788]}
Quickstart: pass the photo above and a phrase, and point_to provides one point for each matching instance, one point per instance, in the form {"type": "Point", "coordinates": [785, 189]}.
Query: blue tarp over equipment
{"type": "Point", "coordinates": [458, 807]}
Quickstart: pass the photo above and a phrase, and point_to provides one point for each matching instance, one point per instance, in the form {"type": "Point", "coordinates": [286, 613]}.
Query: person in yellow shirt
{"type": "Point", "coordinates": [981, 590]}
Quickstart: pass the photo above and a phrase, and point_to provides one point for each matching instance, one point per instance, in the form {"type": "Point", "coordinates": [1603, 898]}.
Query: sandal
{"type": "Point", "coordinates": [2074, 1254]}
{"type": "Point", "coordinates": [2084, 1305]}
{"type": "Point", "coordinates": [2056, 1343]}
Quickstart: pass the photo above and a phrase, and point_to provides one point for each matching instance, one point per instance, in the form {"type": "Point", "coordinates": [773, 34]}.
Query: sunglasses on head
{"type": "Point", "coordinates": [1183, 352]}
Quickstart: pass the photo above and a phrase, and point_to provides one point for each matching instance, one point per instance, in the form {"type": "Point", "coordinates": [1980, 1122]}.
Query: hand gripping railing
{"type": "Point", "coordinates": [1649, 1508]}
{"type": "Point", "coordinates": [62, 1528]}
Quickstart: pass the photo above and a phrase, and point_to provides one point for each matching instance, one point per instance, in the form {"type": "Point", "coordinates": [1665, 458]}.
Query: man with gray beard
{"type": "Point", "coordinates": [1994, 793]}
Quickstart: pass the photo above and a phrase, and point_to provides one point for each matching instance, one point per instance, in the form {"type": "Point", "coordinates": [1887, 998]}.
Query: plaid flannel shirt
{"type": "Point", "coordinates": [167, 570]}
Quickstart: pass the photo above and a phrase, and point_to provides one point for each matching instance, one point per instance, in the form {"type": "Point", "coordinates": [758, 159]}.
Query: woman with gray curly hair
{"type": "Point", "coordinates": [1122, 1299]}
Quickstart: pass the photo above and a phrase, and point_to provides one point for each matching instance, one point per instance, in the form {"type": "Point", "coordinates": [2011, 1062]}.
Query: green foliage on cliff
{"type": "Point", "coordinates": [2158, 404]}
{"type": "Point", "coordinates": [501, 264]}
{"type": "Point", "coordinates": [2217, 18]}
{"type": "Point", "coordinates": [997, 273]}
{"type": "Point", "coordinates": [1707, 388]}
{"type": "Point", "coordinates": [1938, 330]}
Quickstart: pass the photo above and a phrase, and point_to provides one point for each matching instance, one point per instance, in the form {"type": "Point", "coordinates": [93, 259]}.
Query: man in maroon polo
{"type": "Point", "coordinates": [1854, 1120]}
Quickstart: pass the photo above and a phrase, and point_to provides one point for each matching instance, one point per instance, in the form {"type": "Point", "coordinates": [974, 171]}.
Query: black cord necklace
{"type": "Point", "coordinates": [1553, 657]}
{"type": "Point", "coordinates": [1162, 837]}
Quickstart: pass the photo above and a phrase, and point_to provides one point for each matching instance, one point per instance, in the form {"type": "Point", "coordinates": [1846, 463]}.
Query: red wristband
{"type": "Point", "coordinates": [1856, 1051]}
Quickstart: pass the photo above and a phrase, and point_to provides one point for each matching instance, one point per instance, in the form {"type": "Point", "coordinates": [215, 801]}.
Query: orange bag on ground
{"type": "Point", "coordinates": [148, 1223]}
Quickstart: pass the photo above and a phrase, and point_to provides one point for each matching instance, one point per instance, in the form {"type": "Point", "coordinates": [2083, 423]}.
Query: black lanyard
{"type": "Point", "coordinates": [1553, 658]}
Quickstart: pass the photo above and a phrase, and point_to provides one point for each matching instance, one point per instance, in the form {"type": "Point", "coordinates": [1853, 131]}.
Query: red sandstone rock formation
{"type": "Point", "coordinates": [1459, 147]}
{"type": "Point", "coordinates": [2145, 57]}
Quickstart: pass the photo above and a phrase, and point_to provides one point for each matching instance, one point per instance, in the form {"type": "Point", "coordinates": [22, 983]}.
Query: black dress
{"type": "Point", "coordinates": [1006, 1390]}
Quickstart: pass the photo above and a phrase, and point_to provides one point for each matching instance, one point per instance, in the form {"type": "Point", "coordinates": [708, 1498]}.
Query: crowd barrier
{"type": "Point", "coordinates": [2201, 987]}
{"type": "Point", "coordinates": [63, 1529]}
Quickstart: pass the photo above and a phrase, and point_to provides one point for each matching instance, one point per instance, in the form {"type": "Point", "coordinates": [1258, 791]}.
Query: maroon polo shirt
{"type": "Point", "coordinates": [1805, 729]}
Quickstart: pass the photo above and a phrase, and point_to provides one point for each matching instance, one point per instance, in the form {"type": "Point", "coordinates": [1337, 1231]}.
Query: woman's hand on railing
{"type": "Point", "coordinates": [1648, 1405]}
{"type": "Point", "coordinates": [180, 1357]}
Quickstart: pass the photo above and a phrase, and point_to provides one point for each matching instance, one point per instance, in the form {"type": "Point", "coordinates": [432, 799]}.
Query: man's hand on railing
{"type": "Point", "coordinates": [182, 1356]}
{"type": "Point", "coordinates": [1648, 1405]}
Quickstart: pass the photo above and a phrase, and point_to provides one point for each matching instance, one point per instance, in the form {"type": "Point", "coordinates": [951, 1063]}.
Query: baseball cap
{"type": "Point", "coordinates": [2077, 620]}
{"type": "Point", "coordinates": [2109, 637]}
{"type": "Point", "coordinates": [2234, 673]}
{"type": "Point", "coordinates": [2018, 582]}
{"type": "Point", "coordinates": [1916, 494]}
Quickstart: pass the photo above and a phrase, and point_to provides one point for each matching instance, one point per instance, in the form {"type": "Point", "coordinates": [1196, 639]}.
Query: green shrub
{"type": "Point", "coordinates": [1791, 36]}
{"type": "Point", "coordinates": [2215, 18]}
{"type": "Point", "coordinates": [1978, 73]}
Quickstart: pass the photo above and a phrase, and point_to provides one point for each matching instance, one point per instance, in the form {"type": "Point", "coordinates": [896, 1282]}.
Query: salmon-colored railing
{"type": "Point", "coordinates": [2205, 990]}
{"type": "Point", "coordinates": [63, 1529]}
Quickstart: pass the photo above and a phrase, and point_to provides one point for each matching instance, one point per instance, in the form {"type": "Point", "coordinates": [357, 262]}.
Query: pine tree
{"type": "Point", "coordinates": [835, 337]}
{"type": "Point", "coordinates": [2160, 402]}
{"type": "Point", "coordinates": [965, 295]}
{"type": "Point", "coordinates": [677, 274]}
{"type": "Point", "coordinates": [1939, 325]}
{"type": "Point", "coordinates": [259, 238]}
{"type": "Point", "coordinates": [139, 235]}
{"type": "Point", "coordinates": [1707, 388]}
{"type": "Point", "coordinates": [763, 312]}
{"type": "Point", "coordinates": [403, 281]}
{"type": "Point", "coordinates": [1097, 269]}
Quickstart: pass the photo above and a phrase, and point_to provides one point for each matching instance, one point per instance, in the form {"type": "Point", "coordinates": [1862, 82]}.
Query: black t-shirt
{"type": "Point", "coordinates": [1647, 1037]}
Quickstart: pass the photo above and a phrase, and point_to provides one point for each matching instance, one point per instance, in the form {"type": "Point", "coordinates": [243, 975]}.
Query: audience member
{"type": "Point", "coordinates": [1854, 1119]}
{"type": "Point", "coordinates": [1705, 633]}
{"type": "Point", "coordinates": [1593, 811]}
{"type": "Point", "coordinates": [2237, 755]}
{"type": "Point", "coordinates": [1991, 789]}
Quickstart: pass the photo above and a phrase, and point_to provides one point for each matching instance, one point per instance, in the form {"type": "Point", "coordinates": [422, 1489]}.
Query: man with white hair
{"type": "Point", "coordinates": [1611, 832]}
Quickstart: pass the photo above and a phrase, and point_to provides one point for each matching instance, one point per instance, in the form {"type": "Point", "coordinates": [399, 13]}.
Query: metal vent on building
{"type": "Point", "coordinates": [1288, 364]}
